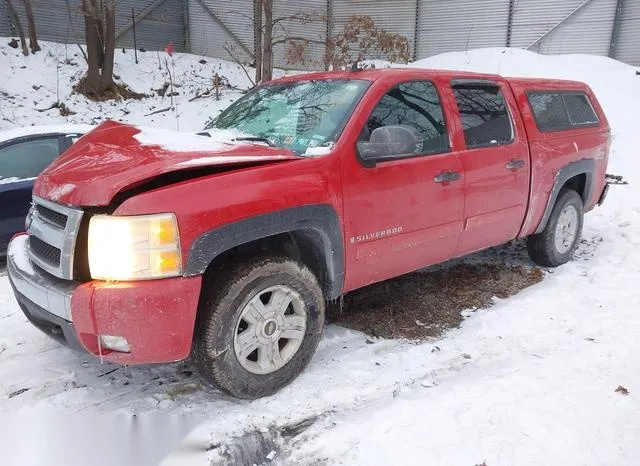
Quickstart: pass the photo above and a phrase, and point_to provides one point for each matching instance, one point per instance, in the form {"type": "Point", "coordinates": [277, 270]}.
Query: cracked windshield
{"type": "Point", "coordinates": [297, 116]}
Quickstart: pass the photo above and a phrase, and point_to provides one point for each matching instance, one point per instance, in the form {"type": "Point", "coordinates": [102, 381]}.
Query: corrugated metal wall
{"type": "Point", "coordinates": [4, 20]}
{"type": "Point", "coordinates": [306, 21]}
{"type": "Point", "coordinates": [628, 43]}
{"type": "Point", "coordinates": [215, 26]}
{"type": "Point", "coordinates": [588, 30]}
{"type": "Point", "coordinates": [57, 21]}
{"type": "Point", "coordinates": [533, 18]}
{"type": "Point", "coordinates": [431, 26]}
{"type": "Point", "coordinates": [453, 25]}
{"type": "Point", "coordinates": [162, 22]}
{"type": "Point", "coordinates": [157, 22]}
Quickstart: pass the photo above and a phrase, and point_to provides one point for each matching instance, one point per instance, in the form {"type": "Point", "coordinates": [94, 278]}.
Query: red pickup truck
{"type": "Point", "coordinates": [147, 247]}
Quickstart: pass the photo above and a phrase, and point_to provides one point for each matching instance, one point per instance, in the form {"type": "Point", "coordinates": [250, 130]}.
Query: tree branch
{"type": "Point", "coordinates": [298, 39]}
{"type": "Point", "coordinates": [235, 59]}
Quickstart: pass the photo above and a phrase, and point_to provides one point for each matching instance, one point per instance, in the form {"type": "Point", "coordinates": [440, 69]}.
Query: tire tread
{"type": "Point", "coordinates": [221, 286]}
{"type": "Point", "coordinates": [541, 247]}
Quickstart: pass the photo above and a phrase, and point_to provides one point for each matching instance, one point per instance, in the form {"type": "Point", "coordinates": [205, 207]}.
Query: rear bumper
{"type": "Point", "coordinates": [156, 317]}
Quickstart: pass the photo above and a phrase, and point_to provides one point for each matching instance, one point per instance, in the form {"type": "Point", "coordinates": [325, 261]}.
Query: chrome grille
{"type": "Point", "coordinates": [58, 219]}
{"type": "Point", "coordinates": [53, 230]}
{"type": "Point", "coordinates": [46, 252]}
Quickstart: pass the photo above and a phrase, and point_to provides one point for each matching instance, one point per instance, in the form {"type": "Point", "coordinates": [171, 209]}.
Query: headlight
{"type": "Point", "coordinates": [134, 248]}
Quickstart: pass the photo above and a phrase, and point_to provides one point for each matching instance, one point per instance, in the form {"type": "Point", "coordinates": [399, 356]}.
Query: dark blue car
{"type": "Point", "coordinates": [24, 154]}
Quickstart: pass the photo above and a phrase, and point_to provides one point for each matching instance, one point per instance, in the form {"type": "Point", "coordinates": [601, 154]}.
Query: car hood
{"type": "Point", "coordinates": [115, 157]}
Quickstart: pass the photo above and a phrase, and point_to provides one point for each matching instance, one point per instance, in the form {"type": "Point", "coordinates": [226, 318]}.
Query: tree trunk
{"type": "Point", "coordinates": [267, 51]}
{"type": "Point", "coordinates": [16, 21]}
{"type": "Point", "coordinates": [100, 37]}
{"type": "Point", "coordinates": [93, 38]}
{"type": "Point", "coordinates": [106, 78]}
{"type": "Point", "coordinates": [257, 38]}
{"type": "Point", "coordinates": [33, 36]}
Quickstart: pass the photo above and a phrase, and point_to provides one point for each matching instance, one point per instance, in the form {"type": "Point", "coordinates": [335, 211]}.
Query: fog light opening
{"type": "Point", "coordinates": [114, 343]}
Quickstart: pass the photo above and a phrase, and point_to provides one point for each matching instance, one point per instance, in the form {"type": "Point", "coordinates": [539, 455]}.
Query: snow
{"type": "Point", "coordinates": [13, 179]}
{"type": "Point", "coordinates": [186, 142]}
{"type": "Point", "coordinates": [529, 381]}
{"type": "Point", "coordinates": [60, 191]}
{"type": "Point", "coordinates": [6, 135]}
{"type": "Point", "coordinates": [319, 150]}
{"type": "Point", "coordinates": [35, 87]}
{"type": "Point", "coordinates": [203, 161]}
{"type": "Point", "coordinates": [18, 252]}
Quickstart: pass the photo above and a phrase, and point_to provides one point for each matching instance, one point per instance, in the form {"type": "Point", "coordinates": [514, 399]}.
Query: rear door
{"type": "Point", "coordinates": [21, 161]}
{"type": "Point", "coordinates": [403, 212]}
{"type": "Point", "coordinates": [495, 162]}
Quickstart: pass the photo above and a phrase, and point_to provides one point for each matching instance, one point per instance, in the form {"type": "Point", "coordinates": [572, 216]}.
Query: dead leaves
{"type": "Point", "coordinates": [622, 390]}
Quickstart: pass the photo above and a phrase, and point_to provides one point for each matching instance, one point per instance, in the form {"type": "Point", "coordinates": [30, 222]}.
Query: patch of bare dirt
{"type": "Point", "coordinates": [117, 92]}
{"type": "Point", "coordinates": [427, 303]}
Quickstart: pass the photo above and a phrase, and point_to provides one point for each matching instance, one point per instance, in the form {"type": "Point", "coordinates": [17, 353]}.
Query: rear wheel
{"type": "Point", "coordinates": [259, 326]}
{"type": "Point", "coordinates": [557, 243]}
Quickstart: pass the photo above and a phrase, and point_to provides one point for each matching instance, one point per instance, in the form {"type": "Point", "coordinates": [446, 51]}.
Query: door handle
{"type": "Point", "coordinates": [447, 177]}
{"type": "Point", "coordinates": [515, 165]}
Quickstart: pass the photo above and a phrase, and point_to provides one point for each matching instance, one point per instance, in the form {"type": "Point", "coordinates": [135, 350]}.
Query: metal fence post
{"type": "Point", "coordinates": [416, 31]}
{"type": "Point", "coordinates": [328, 33]}
{"type": "Point", "coordinates": [615, 29]}
{"type": "Point", "coordinates": [186, 28]}
{"type": "Point", "coordinates": [135, 41]}
{"type": "Point", "coordinates": [510, 22]}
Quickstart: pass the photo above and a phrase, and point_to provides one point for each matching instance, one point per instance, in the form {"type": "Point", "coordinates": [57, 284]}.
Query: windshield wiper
{"type": "Point", "coordinates": [255, 139]}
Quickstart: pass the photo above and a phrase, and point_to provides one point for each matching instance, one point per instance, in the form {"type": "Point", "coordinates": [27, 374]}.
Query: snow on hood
{"type": "Point", "coordinates": [117, 156]}
{"type": "Point", "coordinates": [217, 140]}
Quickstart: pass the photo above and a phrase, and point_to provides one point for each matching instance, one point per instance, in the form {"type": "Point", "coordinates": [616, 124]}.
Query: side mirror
{"type": "Point", "coordinates": [391, 141]}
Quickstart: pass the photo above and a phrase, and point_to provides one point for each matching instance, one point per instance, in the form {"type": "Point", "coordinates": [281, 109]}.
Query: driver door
{"type": "Point", "coordinates": [401, 213]}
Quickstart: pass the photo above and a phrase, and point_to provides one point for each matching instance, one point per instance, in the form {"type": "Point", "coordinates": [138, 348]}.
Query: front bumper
{"type": "Point", "coordinates": [156, 317]}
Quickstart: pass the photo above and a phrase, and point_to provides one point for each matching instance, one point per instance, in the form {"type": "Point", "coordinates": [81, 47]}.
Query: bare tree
{"type": "Point", "coordinates": [33, 36]}
{"type": "Point", "coordinates": [18, 25]}
{"type": "Point", "coordinates": [257, 35]}
{"type": "Point", "coordinates": [359, 40]}
{"type": "Point", "coordinates": [271, 30]}
{"type": "Point", "coordinates": [267, 41]}
{"type": "Point", "coordinates": [100, 37]}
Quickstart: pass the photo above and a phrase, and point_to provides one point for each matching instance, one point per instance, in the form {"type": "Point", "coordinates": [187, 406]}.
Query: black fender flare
{"type": "Point", "coordinates": [321, 219]}
{"type": "Point", "coordinates": [581, 167]}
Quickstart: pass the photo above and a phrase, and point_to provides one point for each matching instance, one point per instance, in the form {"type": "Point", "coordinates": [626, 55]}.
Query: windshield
{"type": "Point", "coordinates": [298, 116]}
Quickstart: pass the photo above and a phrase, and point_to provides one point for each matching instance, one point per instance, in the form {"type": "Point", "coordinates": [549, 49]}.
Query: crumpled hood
{"type": "Point", "coordinates": [116, 156]}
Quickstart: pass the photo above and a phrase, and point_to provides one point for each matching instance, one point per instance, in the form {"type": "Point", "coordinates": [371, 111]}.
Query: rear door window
{"type": "Point", "coordinates": [27, 159]}
{"type": "Point", "coordinates": [559, 111]}
{"type": "Point", "coordinates": [484, 114]}
{"type": "Point", "coordinates": [580, 110]}
{"type": "Point", "coordinates": [550, 111]}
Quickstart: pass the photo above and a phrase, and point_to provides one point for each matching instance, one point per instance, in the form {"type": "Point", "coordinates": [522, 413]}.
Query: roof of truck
{"type": "Point", "coordinates": [377, 73]}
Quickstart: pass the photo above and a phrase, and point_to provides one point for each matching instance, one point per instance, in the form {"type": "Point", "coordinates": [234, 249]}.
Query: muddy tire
{"type": "Point", "coordinates": [259, 324]}
{"type": "Point", "coordinates": [557, 243]}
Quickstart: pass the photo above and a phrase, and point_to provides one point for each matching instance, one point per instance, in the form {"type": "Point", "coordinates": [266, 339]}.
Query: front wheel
{"type": "Point", "coordinates": [259, 326]}
{"type": "Point", "coordinates": [556, 244]}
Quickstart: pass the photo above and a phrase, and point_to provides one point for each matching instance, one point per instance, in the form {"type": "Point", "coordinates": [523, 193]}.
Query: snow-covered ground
{"type": "Point", "coordinates": [531, 380]}
{"type": "Point", "coordinates": [28, 85]}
